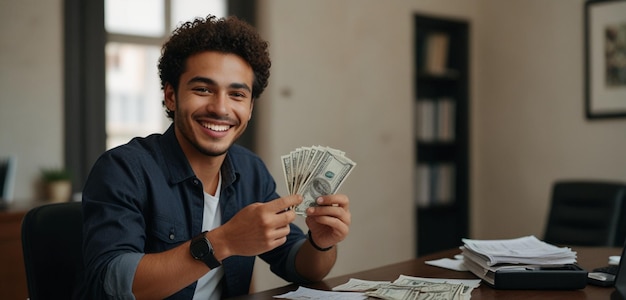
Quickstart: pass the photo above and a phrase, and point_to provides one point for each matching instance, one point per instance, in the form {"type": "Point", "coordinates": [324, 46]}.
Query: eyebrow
{"type": "Point", "coordinates": [209, 81]}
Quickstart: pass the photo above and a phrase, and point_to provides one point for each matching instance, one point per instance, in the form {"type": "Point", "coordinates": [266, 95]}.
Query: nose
{"type": "Point", "coordinates": [218, 104]}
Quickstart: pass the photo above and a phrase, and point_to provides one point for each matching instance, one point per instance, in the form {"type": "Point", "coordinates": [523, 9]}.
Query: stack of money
{"type": "Point", "coordinates": [408, 288]}
{"type": "Point", "coordinates": [315, 171]}
{"type": "Point", "coordinates": [443, 291]}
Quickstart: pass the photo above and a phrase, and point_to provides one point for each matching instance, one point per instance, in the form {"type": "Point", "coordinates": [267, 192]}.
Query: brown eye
{"type": "Point", "coordinates": [202, 90]}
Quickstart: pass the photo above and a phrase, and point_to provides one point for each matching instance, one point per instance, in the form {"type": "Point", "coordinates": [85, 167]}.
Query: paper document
{"type": "Point", "coordinates": [448, 263]}
{"type": "Point", "coordinates": [524, 250]}
{"type": "Point", "coordinates": [614, 260]}
{"type": "Point", "coordinates": [485, 258]}
{"type": "Point", "coordinates": [303, 293]}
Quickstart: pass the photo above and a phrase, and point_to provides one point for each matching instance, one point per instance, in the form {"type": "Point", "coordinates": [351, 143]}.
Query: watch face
{"type": "Point", "coordinates": [199, 249]}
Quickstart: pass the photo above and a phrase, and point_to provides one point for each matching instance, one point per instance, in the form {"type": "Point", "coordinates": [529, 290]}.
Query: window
{"type": "Point", "coordinates": [112, 92]}
{"type": "Point", "coordinates": [135, 32]}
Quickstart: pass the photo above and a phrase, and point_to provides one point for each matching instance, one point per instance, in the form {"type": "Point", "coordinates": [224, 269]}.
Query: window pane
{"type": "Point", "coordinates": [186, 10]}
{"type": "Point", "coordinates": [135, 17]}
{"type": "Point", "coordinates": [133, 100]}
{"type": "Point", "coordinates": [133, 97]}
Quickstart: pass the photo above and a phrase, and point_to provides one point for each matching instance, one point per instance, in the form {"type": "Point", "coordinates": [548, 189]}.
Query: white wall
{"type": "Point", "coordinates": [31, 88]}
{"type": "Point", "coordinates": [342, 75]}
{"type": "Point", "coordinates": [528, 124]}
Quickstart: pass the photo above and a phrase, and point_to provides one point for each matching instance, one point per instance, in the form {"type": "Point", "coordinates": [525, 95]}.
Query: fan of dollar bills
{"type": "Point", "coordinates": [315, 171]}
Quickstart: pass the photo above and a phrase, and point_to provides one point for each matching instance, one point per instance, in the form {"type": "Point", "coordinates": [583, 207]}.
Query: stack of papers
{"type": "Point", "coordinates": [486, 257]}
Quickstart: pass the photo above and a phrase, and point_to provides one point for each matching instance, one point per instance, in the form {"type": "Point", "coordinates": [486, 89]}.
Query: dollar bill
{"type": "Point", "coordinates": [313, 172]}
{"type": "Point", "coordinates": [394, 293]}
{"type": "Point", "coordinates": [360, 285]}
{"type": "Point", "coordinates": [408, 287]}
{"type": "Point", "coordinates": [466, 286]}
{"type": "Point", "coordinates": [436, 291]}
{"type": "Point", "coordinates": [288, 171]}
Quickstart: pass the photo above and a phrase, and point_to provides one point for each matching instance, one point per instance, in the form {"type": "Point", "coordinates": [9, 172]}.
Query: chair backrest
{"type": "Point", "coordinates": [587, 213]}
{"type": "Point", "coordinates": [52, 248]}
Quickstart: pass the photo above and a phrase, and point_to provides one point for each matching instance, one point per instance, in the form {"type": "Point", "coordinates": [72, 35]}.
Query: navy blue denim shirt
{"type": "Point", "coordinates": [143, 197]}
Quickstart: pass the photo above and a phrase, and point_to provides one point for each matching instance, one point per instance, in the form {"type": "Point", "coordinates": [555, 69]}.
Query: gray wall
{"type": "Point", "coordinates": [342, 76]}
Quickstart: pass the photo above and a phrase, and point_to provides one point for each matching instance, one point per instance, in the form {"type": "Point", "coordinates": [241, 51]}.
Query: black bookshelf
{"type": "Point", "coordinates": [441, 132]}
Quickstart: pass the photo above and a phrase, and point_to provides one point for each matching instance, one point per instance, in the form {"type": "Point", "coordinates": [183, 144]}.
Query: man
{"type": "Point", "coordinates": [183, 214]}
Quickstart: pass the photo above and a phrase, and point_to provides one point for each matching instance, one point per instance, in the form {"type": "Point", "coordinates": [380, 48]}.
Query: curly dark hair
{"type": "Point", "coordinates": [226, 35]}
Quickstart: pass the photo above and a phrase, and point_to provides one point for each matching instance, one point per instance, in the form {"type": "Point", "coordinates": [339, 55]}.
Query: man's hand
{"type": "Point", "coordinates": [257, 228]}
{"type": "Point", "coordinates": [329, 222]}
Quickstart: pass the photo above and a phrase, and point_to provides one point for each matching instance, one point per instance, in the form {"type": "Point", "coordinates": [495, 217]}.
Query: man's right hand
{"type": "Point", "coordinates": [255, 229]}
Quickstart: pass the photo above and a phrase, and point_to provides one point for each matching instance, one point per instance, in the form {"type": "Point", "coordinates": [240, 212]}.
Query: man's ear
{"type": "Point", "coordinates": [170, 97]}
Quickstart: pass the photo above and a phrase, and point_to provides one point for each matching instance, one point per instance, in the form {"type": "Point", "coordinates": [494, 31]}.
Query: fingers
{"type": "Point", "coordinates": [331, 205]}
{"type": "Point", "coordinates": [334, 200]}
{"type": "Point", "coordinates": [332, 215]}
{"type": "Point", "coordinates": [260, 227]}
{"type": "Point", "coordinates": [283, 204]}
{"type": "Point", "coordinates": [330, 221]}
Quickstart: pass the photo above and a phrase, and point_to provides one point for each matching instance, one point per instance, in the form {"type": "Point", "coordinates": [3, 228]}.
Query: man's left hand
{"type": "Point", "coordinates": [329, 222]}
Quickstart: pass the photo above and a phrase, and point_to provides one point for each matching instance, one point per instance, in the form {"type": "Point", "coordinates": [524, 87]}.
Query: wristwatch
{"type": "Point", "coordinates": [201, 249]}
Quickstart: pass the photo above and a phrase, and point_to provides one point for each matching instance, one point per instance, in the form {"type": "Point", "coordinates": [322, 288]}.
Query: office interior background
{"type": "Point", "coordinates": [343, 76]}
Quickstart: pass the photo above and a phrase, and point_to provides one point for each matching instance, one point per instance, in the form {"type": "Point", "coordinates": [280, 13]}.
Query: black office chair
{"type": "Point", "coordinates": [587, 213]}
{"type": "Point", "coordinates": [52, 248]}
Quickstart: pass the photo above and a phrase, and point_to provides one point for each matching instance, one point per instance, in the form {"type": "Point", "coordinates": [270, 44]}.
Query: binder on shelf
{"type": "Point", "coordinates": [425, 120]}
{"type": "Point", "coordinates": [445, 119]}
{"type": "Point", "coordinates": [445, 184]}
{"type": "Point", "coordinates": [435, 120]}
{"type": "Point", "coordinates": [437, 52]}
{"type": "Point", "coordinates": [434, 184]}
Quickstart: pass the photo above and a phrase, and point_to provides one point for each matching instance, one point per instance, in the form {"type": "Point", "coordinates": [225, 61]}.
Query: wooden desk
{"type": "Point", "coordinates": [12, 273]}
{"type": "Point", "coordinates": [588, 258]}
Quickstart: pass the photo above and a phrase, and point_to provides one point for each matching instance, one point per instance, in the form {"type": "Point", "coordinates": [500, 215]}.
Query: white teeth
{"type": "Point", "coordinates": [216, 127]}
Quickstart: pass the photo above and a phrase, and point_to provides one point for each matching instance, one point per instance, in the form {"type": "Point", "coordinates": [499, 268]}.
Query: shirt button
{"type": "Point", "coordinates": [196, 182]}
{"type": "Point", "coordinates": [172, 236]}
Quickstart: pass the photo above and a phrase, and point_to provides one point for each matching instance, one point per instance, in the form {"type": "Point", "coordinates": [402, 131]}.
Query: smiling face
{"type": "Point", "coordinates": [213, 103]}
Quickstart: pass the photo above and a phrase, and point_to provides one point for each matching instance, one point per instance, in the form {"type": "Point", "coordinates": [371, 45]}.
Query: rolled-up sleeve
{"type": "Point", "coordinates": [118, 280]}
{"type": "Point", "coordinates": [292, 274]}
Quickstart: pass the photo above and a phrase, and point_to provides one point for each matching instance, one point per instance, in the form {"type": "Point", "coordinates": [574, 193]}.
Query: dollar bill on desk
{"type": "Point", "coordinates": [408, 288]}
{"type": "Point", "coordinates": [315, 171]}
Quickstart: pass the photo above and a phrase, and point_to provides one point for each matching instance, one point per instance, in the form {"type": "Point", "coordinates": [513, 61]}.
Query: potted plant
{"type": "Point", "coordinates": [57, 184]}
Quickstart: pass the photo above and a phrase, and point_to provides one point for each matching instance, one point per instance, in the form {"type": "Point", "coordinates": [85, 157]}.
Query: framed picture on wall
{"type": "Point", "coordinates": [605, 58]}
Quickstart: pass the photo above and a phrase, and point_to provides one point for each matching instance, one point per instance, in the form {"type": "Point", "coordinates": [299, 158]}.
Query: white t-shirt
{"type": "Point", "coordinates": [208, 285]}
